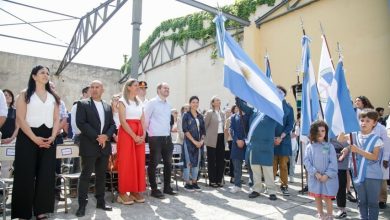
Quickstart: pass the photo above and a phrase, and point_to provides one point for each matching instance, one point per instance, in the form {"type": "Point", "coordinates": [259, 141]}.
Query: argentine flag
{"type": "Point", "coordinates": [339, 113]}
{"type": "Point", "coordinates": [325, 73]}
{"type": "Point", "coordinates": [245, 80]}
{"type": "Point", "coordinates": [310, 102]}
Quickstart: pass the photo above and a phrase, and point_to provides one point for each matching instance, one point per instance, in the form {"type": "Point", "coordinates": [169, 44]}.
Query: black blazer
{"type": "Point", "coordinates": [88, 121]}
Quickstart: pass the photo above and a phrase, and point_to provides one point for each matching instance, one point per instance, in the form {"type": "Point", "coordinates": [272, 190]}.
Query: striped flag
{"type": "Point", "coordinates": [339, 113]}
{"type": "Point", "coordinates": [219, 21]}
{"type": "Point", "coordinates": [245, 80]}
{"type": "Point", "coordinates": [325, 73]}
{"type": "Point", "coordinates": [310, 102]}
{"type": "Point", "coordinates": [267, 68]}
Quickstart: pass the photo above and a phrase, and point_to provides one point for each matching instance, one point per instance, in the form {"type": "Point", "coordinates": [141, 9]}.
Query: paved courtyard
{"type": "Point", "coordinates": [211, 203]}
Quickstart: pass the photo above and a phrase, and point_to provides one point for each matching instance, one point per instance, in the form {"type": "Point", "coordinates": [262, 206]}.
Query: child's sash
{"type": "Point", "coordinates": [368, 146]}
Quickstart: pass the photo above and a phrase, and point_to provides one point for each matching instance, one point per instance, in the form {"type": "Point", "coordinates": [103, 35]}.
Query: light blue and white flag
{"type": "Point", "coordinates": [267, 68]}
{"type": "Point", "coordinates": [219, 21]}
{"type": "Point", "coordinates": [310, 102]}
{"type": "Point", "coordinates": [339, 113]}
{"type": "Point", "coordinates": [325, 73]}
{"type": "Point", "coordinates": [245, 80]}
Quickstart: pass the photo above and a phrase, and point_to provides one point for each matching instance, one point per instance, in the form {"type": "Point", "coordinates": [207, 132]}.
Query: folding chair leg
{"type": "Point", "coordinates": [4, 200]}
{"type": "Point", "coordinates": [112, 188]}
{"type": "Point", "coordinates": [66, 200]}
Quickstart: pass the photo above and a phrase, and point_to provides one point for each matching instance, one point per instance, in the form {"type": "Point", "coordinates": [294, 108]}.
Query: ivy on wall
{"type": "Point", "coordinates": [192, 26]}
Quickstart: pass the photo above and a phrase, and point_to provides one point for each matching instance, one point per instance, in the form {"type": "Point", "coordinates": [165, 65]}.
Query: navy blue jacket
{"type": "Point", "coordinates": [238, 132]}
{"type": "Point", "coordinates": [285, 148]}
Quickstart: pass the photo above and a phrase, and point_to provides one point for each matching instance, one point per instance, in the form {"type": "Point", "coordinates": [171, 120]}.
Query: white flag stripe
{"type": "Point", "coordinates": [254, 81]}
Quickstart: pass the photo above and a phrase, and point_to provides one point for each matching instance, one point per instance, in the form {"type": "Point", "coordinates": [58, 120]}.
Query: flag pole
{"type": "Point", "coordinates": [326, 43]}
{"type": "Point", "coordinates": [304, 33]}
{"type": "Point", "coordinates": [350, 135]}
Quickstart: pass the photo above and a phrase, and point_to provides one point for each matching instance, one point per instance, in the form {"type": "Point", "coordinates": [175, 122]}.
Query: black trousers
{"type": "Point", "coordinates": [160, 146]}
{"type": "Point", "coordinates": [341, 194]}
{"type": "Point", "coordinates": [33, 186]}
{"type": "Point", "coordinates": [216, 160]}
{"type": "Point", "coordinates": [231, 167]}
{"type": "Point", "coordinates": [89, 165]}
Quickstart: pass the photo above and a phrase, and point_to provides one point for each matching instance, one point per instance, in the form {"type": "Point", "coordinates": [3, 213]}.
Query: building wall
{"type": "Point", "coordinates": [361, 27]}
{"type": "Point", "coordinates": [192, 74]}
{"type": "Point", "coordinates": [15, 71]}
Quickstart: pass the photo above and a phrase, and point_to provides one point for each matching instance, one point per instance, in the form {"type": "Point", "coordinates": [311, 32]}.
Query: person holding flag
{"type": "Point", "coordinates": [245, 80]}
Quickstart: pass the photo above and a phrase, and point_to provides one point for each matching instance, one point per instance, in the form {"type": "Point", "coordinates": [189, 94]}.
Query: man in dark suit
{"type": "Point", "coordinates": [95, 120]}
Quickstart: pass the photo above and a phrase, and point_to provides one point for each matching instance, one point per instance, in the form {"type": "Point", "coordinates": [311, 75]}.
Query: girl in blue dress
{"type": "Point", "coordinates": [321, 164]}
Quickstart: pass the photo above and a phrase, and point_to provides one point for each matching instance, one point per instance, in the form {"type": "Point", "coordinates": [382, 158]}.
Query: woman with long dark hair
{"type": "Point", "coordinates": [9, 128]}
{"type": "Point", "coordinates": [37, 114]}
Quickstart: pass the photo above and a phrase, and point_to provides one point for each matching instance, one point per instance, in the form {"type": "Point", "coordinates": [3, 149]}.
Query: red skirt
{"type": "Point", "coordinates": [131, 159]}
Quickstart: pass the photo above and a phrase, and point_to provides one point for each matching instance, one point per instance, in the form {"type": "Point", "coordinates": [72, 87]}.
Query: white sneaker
{"type": "Point", "coordinates": [235, 189]}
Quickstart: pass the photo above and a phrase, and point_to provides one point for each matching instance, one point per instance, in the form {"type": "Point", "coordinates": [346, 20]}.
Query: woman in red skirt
{"type": "Point", "coordinates": [131, 146]}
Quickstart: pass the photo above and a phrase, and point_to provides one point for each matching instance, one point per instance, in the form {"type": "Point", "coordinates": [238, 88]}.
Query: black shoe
{"type": "Point", "coordinates": [254, 194]}
{"type": "Point", "coordinates": [170, 191]}
{"type": "Point", "coordinates": [272, 197]}
{"type": "Point", "coordinates": [284, 191]}
{"type": "Point", "coordinates": [104, 207]}
{"type": "Point", "coordinates": [231, 180]}
{"type": "Point", "coordinates": [214, 185]}
{"type": "Point", "coordinates": [382, 205]}
{"type": "Point", "coordinates": [304, 190]}
{"type": "Point", "coordinates": [350, 197]}
{"type": "Point", "coordinates": [196, 187]}
{"type": "Point", "coordinates": [81, 211]}
{"type": "Point", "coordinates": [157, 194]}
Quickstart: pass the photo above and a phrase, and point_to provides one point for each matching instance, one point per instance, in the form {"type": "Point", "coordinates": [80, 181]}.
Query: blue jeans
{"type": "Point", "coordinates": [194, 169]}
{"type": "Point", "coordinates": [237, 164]}
{"type": "Point", "coordinates": [368, 194]}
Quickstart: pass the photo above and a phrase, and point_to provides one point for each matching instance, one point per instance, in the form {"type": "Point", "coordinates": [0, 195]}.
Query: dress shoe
{"type": "Point", "coordinates": [157, 194]}
{"type": "Point", "coordinates": [254, 194]}
{"type": "Point", "coordinates": [170, 191]}
{"type": "Point", "coordinates": [81, 211]}
{"type": "Point", "coordinates": [104, 207]}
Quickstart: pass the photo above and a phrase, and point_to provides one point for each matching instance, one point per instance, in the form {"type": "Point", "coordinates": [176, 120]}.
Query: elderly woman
{"type": "Point", "coordinates": [215, 142]}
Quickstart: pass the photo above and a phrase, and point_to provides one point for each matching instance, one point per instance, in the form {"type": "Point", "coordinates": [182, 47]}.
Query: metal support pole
{"type": "Point", "coordinates": [136, 23]}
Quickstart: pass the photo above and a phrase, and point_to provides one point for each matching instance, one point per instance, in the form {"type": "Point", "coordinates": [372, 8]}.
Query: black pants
{"type": "Point", "coordinates": [341, 194]}
{"type": "Point", "coordinates": [33, 187]}
{"type": "Point", "coordinates": [59, 140]}
{"type": "Point", "coordinates": [88, 165]}
{"type": "Point", "coordinates": [160, 146]}
{"type": "Point", "coordinates": [216, 160]}
{"type": "Point", "coordinates": [231, 167]}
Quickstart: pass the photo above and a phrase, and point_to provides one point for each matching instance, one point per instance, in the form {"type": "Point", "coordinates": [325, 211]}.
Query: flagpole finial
{"type": "Point", "coordinates": [322, 29]}
{"type": "Point", "coordinates": [339, 50]}
{"type": "Point", "coordinates": [303, 28]}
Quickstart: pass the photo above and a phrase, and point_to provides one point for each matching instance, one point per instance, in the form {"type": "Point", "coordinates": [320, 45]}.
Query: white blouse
{"type": "Point", "coordinates": [133, 111]}
{"type": "Point", "coordinates": [39, 112]}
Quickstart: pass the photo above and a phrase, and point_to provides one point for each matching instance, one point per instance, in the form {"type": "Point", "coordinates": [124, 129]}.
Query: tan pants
{"type": "Point", "coordinates": [268, 178]}
{"type": "Point", "coordinates": [281, 162]}
{"type": "Point", "coordinates": [383, 194]}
